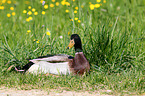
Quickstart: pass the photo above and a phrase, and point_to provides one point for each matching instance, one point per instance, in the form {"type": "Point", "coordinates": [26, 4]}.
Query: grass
{"type": "Point", "coordinates": [112, 35]}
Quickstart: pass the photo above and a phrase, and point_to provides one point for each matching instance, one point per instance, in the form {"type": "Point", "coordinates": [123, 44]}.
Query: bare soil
{"type": "Point", "coordinates": [38, 92]}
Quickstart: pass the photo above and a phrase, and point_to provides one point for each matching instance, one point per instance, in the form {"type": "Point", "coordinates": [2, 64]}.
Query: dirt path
{"type": "Point", "coordinates": [37, 92]}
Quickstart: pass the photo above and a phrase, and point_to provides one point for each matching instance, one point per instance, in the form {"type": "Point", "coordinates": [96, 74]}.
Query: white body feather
{"type": "Point", "coordinates": [47, 67]}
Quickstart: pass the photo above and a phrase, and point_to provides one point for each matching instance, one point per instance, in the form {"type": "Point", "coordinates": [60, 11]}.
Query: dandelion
{"type": "Point", "coordinates": [8, 15]}
{"type": "Point", "coordinates": [3, 1]}
{"type": "Point", "coordinates": [34, 39]}
{"type": "Point", "coordinates": [73, 0]}
{"type": "Point", "coordinates": [104, 1]}
{"type": "Point", "coordinates": [43, 12]}
{"type": "Point", "coordinates": [68, 33]}
{"type": "Point", "coordinates": [27, 2]}
{"type": "Point", "coordinates": [79, 21]}
{"type": "Point", "coordinates": [2, 7]}
{"type": "Point", "coordinates": [48, 33]}
{"type": "Point", "coordinates": [57, 3]}
{"type": "Point", "coordinates": [41, 1]}
{"type": "Point", "coordinates": [82, 6]}
{"type": "Point", "coordinates": [33, 9]}
{"type": "Point", "coordinates": [66, 11]}
{"type": "Point", "coordinates": [98, 0]}
{"type": "Point", "coordinates": [45, 6]}
{"type": "Point", "coordinates": [51, 5]}
{"type": "Point", "coordinates": [11, 8]}
{"type": "Point", "coordinates": [29, 7]}
{"type": "Point", "coordinates": [75, 11]}
{"type": "Point", "coordinates": [63, 2]}
{"type": "Point", "coordinates": [24, 11]}
{"type": "Point", "coordinates": [97, 5]}
{"type": "Point", "coordinates": [28, 31]}
{"type": "Point", "coordinates": [67, 3]}
{"type": "Point", "coordinates": [71, 19]}
{"type": "Point", "coordinates": [13, 13]}
{"type": "Point", "coordinates": [91, 6]}
{"type": "Point", "coordinates": [76, 18]}
{"type": "Point", "coordinates": [35, 13]}
{"type": "Point", "coordinates": [53, 0]}
{"type": "Point", "coordinates": [27, 19]}
{"type": "Point", "coordinates": [29, 13]}
{"type": "Point", "coordinates": [9, 2]}
{"type": "Point", "coordinates": [30, 18]}
{"type": "Point", "coordinates": [76, 8]}
{"type": "Point", "coordinates": [37, 41]}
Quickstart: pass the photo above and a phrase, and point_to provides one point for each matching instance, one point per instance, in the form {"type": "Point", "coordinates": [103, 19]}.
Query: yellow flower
{"type": "Point", "coordinates": [92, 6]}
{"type": "Point", "coordinates": [97, 5]}
{"type": "Point", "coordinates": [29, 13]}
{"type": "Point", "coordinates": [68, 33]}
{"type": "Point", "coordinates": [82, 6]}
{"type": "Point", "coordinates": [28, 31]}
{"type": "Point", "coordinates": [9, 2]}
{"type": "Point", "coordinates": [67, 3]}
{"type": "Point", "coordinates": [75, 11]}
{"type": "Point", "coordinates": [29, 7]}
{"type": "Point", "coordinates": [57, 3]}
{"type": "Point", "coordinates": [35, 13]}
{"type": "Point", "coordinates": [71, 19]}
{"type": "Point", "coordinates": [104, 1]}
{"type": "Point", "coordinates": [51, 5]}
{"type": "Point", "coordinates": [53, 0]}
{"type": "Point", "coordinates": [73, 0]}
{"type": "Point", "coordinates": [76, 18]}
{"type": "Point", "coordinates": [11, 8]}
{"type": "Point", "coordinates": [79, 21]}
{"type": "Point", "coordinates": [3, 1]}
{"type": "Point", "coordinates": [27, 19]}
{"type": "Point", "coordinates": [48, 33]}
{"type": "Point", "coordinates": [13, 13]}
{"type": "Point", "coordinates": [24, 11]}
{"type": "Point", "coordinates": [37, 41]}
{"type": "Point", "coordinates": [33, 9]}
{"type": "Point", "coordinates": [30, 18]}
{"type": "Point", "coordinates": [98, 0]}
{"type": "Point", "coordinates": [63, 2]}
{"type": "Point", "coordinates": [41, 1]}
{"type": "Point", "coordinates": [34, 40]}
{"type": "Point", "coordinates": [2, 7]}
{"type": "Point", "coordinates": [27, 2]}
{"type": "Point", "coordinates": [45, 6]}
{"type": "Point", "coordinates": [76, 8]}
{"type": "Point", "coordinates": [8, 15]}
{"type": "Point", "coordinates": [66, 11]}
{"type": "Point", "coordinates": [43, 12]}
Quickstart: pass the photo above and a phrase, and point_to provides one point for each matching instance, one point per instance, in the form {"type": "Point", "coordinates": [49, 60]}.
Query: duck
{"type": "Point", "coordinates": [60, 63]}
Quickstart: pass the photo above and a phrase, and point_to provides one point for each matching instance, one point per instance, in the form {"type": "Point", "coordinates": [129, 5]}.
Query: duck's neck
{"type": "Point", "coordinates": [78, 50]}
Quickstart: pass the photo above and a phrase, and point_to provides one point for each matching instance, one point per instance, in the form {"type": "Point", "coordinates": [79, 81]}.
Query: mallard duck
{"type": "Point", "coordinates": [61, 64]}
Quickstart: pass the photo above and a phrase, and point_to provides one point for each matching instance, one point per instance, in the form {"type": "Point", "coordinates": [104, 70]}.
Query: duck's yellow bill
{"type": "Point", "coordinates": [71, 44]}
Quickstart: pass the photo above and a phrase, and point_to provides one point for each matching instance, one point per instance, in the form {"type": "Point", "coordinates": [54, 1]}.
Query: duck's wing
{"type": "Point", "coordinates": [52, 58]}
{"type": "Point", "coordinates": [46, 58]}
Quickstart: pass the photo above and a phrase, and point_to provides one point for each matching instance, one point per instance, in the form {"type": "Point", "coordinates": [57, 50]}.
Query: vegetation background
{"type": "Point", "coordinates": [112, 33]}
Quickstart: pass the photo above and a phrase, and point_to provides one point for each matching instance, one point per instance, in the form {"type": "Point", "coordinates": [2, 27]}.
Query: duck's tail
{"type": "Point", "coordinates": [24, 68]}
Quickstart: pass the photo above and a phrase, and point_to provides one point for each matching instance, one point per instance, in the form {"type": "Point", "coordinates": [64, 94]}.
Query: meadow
{"type": "Point", "coordinates": [112, 33]}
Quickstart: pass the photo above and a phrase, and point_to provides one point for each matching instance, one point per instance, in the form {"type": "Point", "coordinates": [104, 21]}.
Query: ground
{"type": "Point", "coordinates": [38, 92]}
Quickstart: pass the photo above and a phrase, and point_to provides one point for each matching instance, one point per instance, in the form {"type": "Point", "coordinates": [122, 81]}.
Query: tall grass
{"type": "Point", "coordinates": [113, 41]}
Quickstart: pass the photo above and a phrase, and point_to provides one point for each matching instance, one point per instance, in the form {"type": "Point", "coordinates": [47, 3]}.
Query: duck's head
{"type": "Point", "coordinates": [75, 41]}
